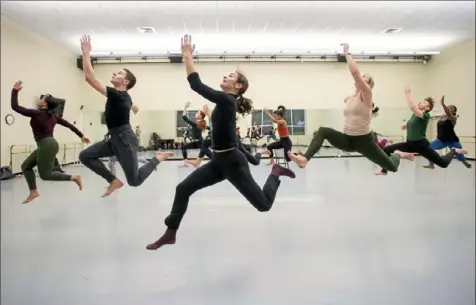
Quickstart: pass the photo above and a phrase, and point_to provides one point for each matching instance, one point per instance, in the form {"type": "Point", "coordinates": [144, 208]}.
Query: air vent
{"type": "Point", "coordinates": [392, 30]}
{"type": "Point", "coordinates": [146, 30]}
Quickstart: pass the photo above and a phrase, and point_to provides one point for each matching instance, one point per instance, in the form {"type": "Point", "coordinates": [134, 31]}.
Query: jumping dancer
{"type": "Point", "coordinates": [228, 163]}
{"type": "Point", "coordinates": [207, 143]}
{"type": "Point", "coordinates": [284, 141]}
{"type": "Point", "coordinates": [43, 121]}
{"type": "Point", "coordinates": [197, 129]}
{"type": "Point", "coordinates": [446, 135]}
{"type": "Point", "coordinates": [121, 140]}
{"type": "Point", "coordinates": [113, 160]}
{"type": "Point", "coordinates": [416, 134]}
{"type": "Point", "coordinates": [357, 135]}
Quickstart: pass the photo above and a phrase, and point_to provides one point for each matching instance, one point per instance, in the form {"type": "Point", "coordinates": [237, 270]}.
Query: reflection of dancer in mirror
{"type": "Point", "coordinates": [416, 128]}
{"type": "Point", "coordinates": [446, 136]}
{"type": "Point", "coordinates": [228, 162]}
{"type": "Point", "coordinates": [43, 121]}
{"type": "Point", "coordinates": [357, 135]}
{"type": "Point", "coordinates": [120, 140]}
{"type": "Point", "coordinates": [198, 126]}
{"type": "Point", "coordinates": [284, 141]}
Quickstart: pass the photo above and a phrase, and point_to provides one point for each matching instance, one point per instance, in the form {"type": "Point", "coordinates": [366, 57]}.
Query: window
{"type": "Point", "coordinates": [296, 119]}
{"type": "Point", "coordinates": [181, 124]}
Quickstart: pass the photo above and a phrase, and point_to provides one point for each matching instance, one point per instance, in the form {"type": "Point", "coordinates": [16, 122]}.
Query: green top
{"type": "Point", "coordinates": [416, 127]}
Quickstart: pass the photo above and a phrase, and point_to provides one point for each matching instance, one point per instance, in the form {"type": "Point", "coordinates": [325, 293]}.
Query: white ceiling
{"type": "Point", "coordinates": [247, 26]}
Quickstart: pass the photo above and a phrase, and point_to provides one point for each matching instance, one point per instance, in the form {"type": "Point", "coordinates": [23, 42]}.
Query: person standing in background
{"type": "Point", "coordinates": [138, 133]}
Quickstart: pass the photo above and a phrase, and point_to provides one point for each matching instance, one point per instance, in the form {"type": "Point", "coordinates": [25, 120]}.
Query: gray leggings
{"type": "Point", "coordinates": [121, 143]}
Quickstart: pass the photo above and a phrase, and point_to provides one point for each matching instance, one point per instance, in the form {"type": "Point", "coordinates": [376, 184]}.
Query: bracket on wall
{"type": "Point", "coordinates": [9, 119]}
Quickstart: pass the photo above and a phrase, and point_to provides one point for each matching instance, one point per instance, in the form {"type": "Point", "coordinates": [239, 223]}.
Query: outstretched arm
{"type": "Point", "coordinates": [272, 118]}
{"type": "Point", "coordinates": [193, 78]}
{"type": "Point", "coordinates": [412, 104]}
{"type": "Point", "coordinates": [14, 102]}
{"type": "Point", "coordinates": [360, 83]}
{"type": "Point", "coordinates": [67, 124]}
{"type": "Point", "coordinates": [448, 113]}
{"type": "Point", "coordinates": [89, 74]}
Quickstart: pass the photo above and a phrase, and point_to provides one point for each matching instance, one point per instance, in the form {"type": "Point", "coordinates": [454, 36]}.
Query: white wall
{"type": "Point", "coordinates": [452, 73]}
{"type": "Point", "coordinates": [44, 68]}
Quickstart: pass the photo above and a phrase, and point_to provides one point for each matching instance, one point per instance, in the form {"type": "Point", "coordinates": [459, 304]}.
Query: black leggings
{"type": "Point", "coordinates": [255, 160]}
{"type": "Point", "coordinates": [421, 147]}
{"type": "Point", "coordinates": [229, 165]}
{"type": "Point", "coordinates": [284, 143]}
{"type": "Point", "coordinates": [205, 149]}
{"type": "Point", "coordinates": [197, 143]}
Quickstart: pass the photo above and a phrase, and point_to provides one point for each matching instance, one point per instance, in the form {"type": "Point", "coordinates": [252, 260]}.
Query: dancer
{"type": "Point", "coordinates": [382, 143]}
{"type": "Point", "coordinates": [357, 135]}
{"type": "Point", "coordinates": [43, 121]}
{"type": "Point", "coordinates": [446, 135]}
{"type": "Point", "coordinates": [228, 163]}
{"type": "Point", "coordinates": [416, 134]}
{"type": "Point", "coordinates": [255, 132]}
{"type": "Point", "coordinates": [197, 129]}
{"type": "Point", "coordinates": [284, 141]}
{"type": "Point", "coordinates": [271, 135]}
{"type": "Point", "coordinates": [207, 143]}
{"type": "Point", "coordinates": [120, 140]}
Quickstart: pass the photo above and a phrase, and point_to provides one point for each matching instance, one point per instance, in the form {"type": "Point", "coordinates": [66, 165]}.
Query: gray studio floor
{"type": "Point", "coordinates": [336, 235]}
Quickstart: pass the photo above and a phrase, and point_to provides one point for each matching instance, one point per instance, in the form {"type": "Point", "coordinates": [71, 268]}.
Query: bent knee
{"type": "Point", "coordinates": [321, 130]}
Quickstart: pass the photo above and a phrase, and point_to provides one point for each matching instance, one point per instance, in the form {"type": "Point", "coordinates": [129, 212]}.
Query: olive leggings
{"type": "Point", "coordinates": [43, 157]}
{"type": "Point", "coordinates": [364, 144]}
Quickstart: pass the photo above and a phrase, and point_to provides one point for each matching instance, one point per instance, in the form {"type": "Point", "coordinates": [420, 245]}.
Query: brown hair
{"type": "Point", "coordinates": [201, 124]}
{"type": "Point", "coordinates": [431, 103]}
{"type": "Point", "coordinates": [131, 78]}
{"type": "Point", "coordinates": [245, 105]}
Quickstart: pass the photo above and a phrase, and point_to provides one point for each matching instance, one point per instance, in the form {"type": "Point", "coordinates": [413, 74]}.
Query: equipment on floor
{"type": "Point", "coordinates": [6, 173]}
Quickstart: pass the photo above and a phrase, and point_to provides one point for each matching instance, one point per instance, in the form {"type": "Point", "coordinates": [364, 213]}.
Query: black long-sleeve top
{"type": "Point", "coordinates": [42, 122]}
{"type": "Point", "coordinates": [196, 132]}
{"type": "Point", "coordinates": [223, 118]}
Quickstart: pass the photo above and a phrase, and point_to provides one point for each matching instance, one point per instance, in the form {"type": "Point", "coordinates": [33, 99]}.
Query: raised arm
{"type": "Point", "coordinates": [412, 104]}
{"type": "Point", "coordinates": [360, 83]}
{"type": "Point", "coordinates": [448, 113]}
{"type": "Point", "coordinates": [14, 101]}
{"type": "Point", "coordinates": [272, 118]}
{"type": "Point", "coordinates": [89, 74]}
{"type": "Point", "coordinates": [185, 115]}
{"type": "Point", "coordinates": [193, 78]}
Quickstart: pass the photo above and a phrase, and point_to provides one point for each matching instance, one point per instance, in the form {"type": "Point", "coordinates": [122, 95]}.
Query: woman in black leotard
{"type": "Point", "coordinates": [228, 162]}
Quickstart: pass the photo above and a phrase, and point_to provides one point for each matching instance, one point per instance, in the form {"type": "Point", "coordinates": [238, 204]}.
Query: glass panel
{"type": "Point", "coordinates": [256, 116]}
{"type": "Point", "coordinates": [299, 117]}
{"type": "Point", "coordinates": [298, 131]}
{"type": "Point", "coordinates": [266, 119]}
{"type": "Point", "coordinates": [288, 116]}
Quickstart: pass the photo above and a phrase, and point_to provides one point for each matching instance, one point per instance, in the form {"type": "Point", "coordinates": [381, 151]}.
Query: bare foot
{"type": "Point", "coordinates": [77, 179]}
{"type": "Point", "coordinates": [33, 194]}
{"type": "Point", "coordinates": [462, 151]}
{"type": "Point", "coordinates": [271, 162]}
{"type": "Point", "coordinates": [116, 184]}
{"type": "Point", "coordinates": [163, 155]}
{"type": "Point", "coordinates": [405, 155]}
{"type": "Point", "coordinates": [389, 141]}
{"type": "Point", "coordinates": [300, 160]}
{"type": "Point", "coordinates": [264, 152]}
{"type": "Point", "coordinates": [380, 173]}
{"type": "Point", "coordinates": [429, 166]}
{"type": "Point", "coordinates": [168, 238]}
{"type": "Point", "coordinates": [195, 163]}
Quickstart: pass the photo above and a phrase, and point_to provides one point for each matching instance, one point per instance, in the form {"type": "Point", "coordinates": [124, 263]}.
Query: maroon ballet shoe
{"type": "Point", "coordinates": [167, 239]}
{"type": "Point", "coordinates": [279, 170]}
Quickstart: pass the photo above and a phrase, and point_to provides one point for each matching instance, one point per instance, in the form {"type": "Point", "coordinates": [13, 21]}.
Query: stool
{"type": "Point", "coordinates": [280, 160]}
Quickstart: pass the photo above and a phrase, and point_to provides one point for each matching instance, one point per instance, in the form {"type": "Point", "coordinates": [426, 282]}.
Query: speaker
{"type": "Point", "coordinates": [176, 58]}
{"type": "Point", "coordinates": [341, 58]}
{"type": "Point", "coordinates": [79, 62]}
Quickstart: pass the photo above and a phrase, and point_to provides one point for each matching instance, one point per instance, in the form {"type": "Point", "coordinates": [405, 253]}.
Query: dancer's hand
{"type": "Point", "coordinates": [135, 108]}
{"type": "Point", "coordinates": [86, 44]}
{"type": "Point", "coordinates": [442, 101]}
{"type": "Point", "coordinates": [408, 90]}
{"type": "Point", "coordinates": [187, 105]}
{"type": "Point", "coordinates": [85, 140]}
{"type": "Point", "coordinates": [18, 85]}
{"type": "Point", "coordinates": [187, 47]}
{"type": "Point", "coordinates": [206, 110]}
{"type": "Point", "coordinates": [345, 47]}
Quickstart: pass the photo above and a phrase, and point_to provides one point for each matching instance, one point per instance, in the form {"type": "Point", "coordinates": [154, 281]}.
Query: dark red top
{"type": "Point", "coordinates": [42, 123]}
{"type": "Point", "coordinates": [283, 130]}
